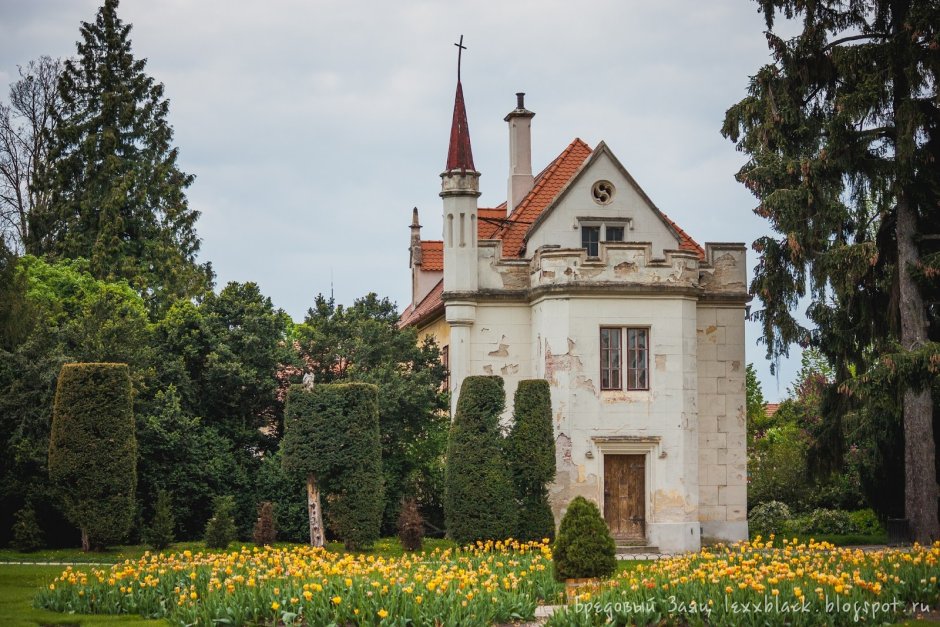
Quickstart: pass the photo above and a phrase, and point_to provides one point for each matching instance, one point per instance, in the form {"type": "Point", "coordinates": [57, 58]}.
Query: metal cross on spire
{"type": "Point", "coordinates": [460, 49]}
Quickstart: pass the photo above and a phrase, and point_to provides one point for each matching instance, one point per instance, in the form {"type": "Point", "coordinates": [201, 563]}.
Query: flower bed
{"type": "Point", "coordinates": [765, 584]}
{"type": "Point", "coordinates": [478, 585]}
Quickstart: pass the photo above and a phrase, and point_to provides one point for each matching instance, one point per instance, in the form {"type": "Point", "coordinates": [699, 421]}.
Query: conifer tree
{"type": "Point", "coordinates": [478, 491]}
{"type": "Point", "coordinates": [93, 450]}
{"type": "Point", "coordinates": [530, 448]}
{"type": "Point", "coordinates": [112, 189]}
{"type": "Point", "coordinates": [842, 131]}
{"type": "Point", "coordinates": [161, 532]}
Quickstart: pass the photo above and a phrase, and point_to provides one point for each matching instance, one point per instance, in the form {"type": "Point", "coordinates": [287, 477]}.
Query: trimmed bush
{"type": "Point", "coordinates": [93, 450]}
{"type": "Point", "coordinates": [27, 534]}
{"type": "Point", "coordinates": [865, 521]}
{"type": "Point", "coordinates": [530, 453]}
{"type": "Point", "coordinates": [265, 532]}
{"type": "Point", "coordinates": [410, 526]}
{"type": "Point", "coordinates": [584, 547]}
{"type": "Point", "coordinates": [220, 530]}
{"type": "Point", "coordinates": [769, 517]}
{"type": "Point", "coordinates": [161, 532]}
{"type": "Point", "coordinates": [479, 501]}
{"type": "Point", "coordinates": [331, 438]}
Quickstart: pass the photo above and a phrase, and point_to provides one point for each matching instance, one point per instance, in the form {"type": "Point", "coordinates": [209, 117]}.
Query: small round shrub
{"type": "Point", "coordinates": [769, 517]}
{"type": "Point", "coordinates": [830, 521]}
{"type": "Point", "coordinates": [265, 532]}
{"type": "Point", "coordinates": [410, 526]}
{"type": "Point", "coordinates": [160, 534]}
{"type": "Point", "coordinates": [27, 534]}
{"type": "Point", "coordinates": [220, 530]}
{"type": "Point", "coordinates": [584, 546]}
{"type": "Point", "coordinates": [865, 521]}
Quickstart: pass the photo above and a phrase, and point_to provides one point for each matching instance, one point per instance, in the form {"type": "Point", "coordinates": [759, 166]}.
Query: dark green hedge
{"type": "Point", "coordinates": [584, 547]}
{"type": "Point", "coordinates": [530, 451]}
{"type": "Point", "coordinates": [332, 432]}
{"type": "Point", "coordinates": [479, 501]}
{"type": "Point", "coordinates": [93, 450]}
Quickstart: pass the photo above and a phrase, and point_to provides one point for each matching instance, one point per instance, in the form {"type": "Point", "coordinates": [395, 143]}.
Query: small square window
{"type": "Point", "coordinates": [614, 234]}
{"type": "Point", "coordinates": [590, 237]}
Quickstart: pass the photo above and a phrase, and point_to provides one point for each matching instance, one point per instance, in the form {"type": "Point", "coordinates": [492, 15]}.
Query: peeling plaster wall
{"type": "Point", "coordinates": [561, 225]}
{"type": "Point", "coordinates": [628, 264]}
{"type": "Point", "coordinates": [566, 352]}
{"type": "Point", "coordinates": [499, 345]}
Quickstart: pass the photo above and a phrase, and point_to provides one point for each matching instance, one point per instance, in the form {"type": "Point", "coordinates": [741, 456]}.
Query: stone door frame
{"type": "Point", "coordinates": [649, 447]}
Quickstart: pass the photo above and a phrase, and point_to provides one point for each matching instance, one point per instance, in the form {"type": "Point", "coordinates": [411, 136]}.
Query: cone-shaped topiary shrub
{"type": "Point", "coordinates": [93, 450]}
{"type": "Point", "coordinates": [584, 546]}
{"type": "Point", "coordinates": [530, 451]}
{"type": "Point", "coordinates": [220, 530]}
{"type": "Point", "coordinates": [264, 532]}
{"type": "Point", "coordinates": [161, 532]}
{"type": "Point", "coordinates": [479, 501]}
{"type": "Point", "coordinates": [27, 534]}
{"type": "Point", "coordinates": [410, 526]}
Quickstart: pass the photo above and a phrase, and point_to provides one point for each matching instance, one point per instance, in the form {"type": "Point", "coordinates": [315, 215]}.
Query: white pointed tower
{"type": "Point", "coordinates": [460, 188]}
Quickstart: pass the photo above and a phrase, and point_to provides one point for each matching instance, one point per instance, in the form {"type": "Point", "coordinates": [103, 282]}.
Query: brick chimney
{"type": "Point", "coordinates": [520, 153]}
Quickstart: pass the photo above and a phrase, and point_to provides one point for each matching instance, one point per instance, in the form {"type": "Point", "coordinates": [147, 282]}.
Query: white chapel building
{"type": "Point", "coordinates": [579, 279]}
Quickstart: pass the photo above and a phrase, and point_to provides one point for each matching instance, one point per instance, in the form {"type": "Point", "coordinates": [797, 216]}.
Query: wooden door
{"type": "Point", "coordinates": [625, 496]}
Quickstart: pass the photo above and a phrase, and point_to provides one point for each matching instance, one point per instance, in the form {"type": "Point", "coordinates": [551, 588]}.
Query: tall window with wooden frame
{"type": "Point", "coordinates": [638, 359]}
{"type": "Point", "coordinates": [610, 359]}
{"type": "Point", "coordinates": [613, 376]}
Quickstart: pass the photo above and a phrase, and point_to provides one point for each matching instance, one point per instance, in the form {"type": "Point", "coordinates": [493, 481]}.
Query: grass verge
{"type": "Point", "coordinates": [20, 583]}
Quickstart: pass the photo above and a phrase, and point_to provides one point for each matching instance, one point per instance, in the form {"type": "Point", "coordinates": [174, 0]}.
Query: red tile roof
{"type": "Point", "coordinates": [429, 307]}
{"type": "Point", "coordinates": [685, 240]}
{"type": "Point", "coordinates": [489, 221]}
{"type": "Point", "coordinates": [459, 155]}
{"type": "Point", "coordinates": [432, 255]}
{"type": "Point", "coordinates": [771, 408]}
{"type": "Point", "coordinates": [548, 184]}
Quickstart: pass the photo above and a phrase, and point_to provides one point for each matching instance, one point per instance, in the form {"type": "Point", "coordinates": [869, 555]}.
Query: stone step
{"type": "Point", "coordinates": [636, 549]}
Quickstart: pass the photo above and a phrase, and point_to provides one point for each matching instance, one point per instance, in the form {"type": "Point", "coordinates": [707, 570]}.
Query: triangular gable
{"type": "Point", "coordinates": [684, 241]}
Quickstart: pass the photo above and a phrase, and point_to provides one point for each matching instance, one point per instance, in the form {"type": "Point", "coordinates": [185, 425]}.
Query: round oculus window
{"type": "Point", "coordinates": [603, 192]}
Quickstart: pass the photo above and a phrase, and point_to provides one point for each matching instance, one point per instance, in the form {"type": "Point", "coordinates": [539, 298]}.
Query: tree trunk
{"type": "Point", "coordinates": [86, 543]}
{"type": "Point", "coordinates": [920, 474]}
{"type": "Point", "coordinates": [316, 514]}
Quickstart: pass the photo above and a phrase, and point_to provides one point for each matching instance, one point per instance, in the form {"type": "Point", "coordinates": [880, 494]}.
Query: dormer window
{"type": "Point", "coordinates": [595, 230]}
{"type": "Point", "coordinates": [613, 234]}
{"type": "Point", "coordinates": [590, 239]}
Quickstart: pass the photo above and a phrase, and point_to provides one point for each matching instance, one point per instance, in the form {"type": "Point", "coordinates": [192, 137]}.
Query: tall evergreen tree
{"type": "Point", "coordinates": [530, 453]}
{"type": "Point", "coordinates": [113, 191]}
{"type": "Point", "coordinates": [843, 134]}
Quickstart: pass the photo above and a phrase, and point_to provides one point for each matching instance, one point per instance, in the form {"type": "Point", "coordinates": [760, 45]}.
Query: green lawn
{"type": "Point", "coordinates": [18, 585]}
{"type": "Point", "coordinates": [386, 547]}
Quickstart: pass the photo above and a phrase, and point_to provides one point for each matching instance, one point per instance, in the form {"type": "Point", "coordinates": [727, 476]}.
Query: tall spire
{"type": "Point", "coordinates": [459, 154]}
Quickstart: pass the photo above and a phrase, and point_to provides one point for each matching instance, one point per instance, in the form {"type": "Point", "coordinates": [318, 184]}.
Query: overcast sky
{"type": "Point", "coordinates": [313, 127]}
